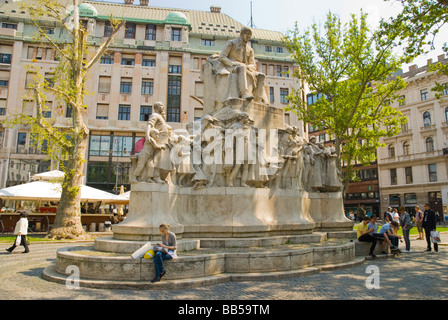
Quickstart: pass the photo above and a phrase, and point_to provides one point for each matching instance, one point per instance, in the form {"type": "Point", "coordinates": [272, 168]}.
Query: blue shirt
{"type": "Point", "coordinates": [385, 228]}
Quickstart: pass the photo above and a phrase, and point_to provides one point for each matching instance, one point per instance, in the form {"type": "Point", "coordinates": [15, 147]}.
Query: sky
{"type": "Point", "coordinates": [281, 15]}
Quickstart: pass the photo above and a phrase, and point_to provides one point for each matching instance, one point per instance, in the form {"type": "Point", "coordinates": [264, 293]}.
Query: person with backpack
{"type": "Point", "coordinates": [406, 226]}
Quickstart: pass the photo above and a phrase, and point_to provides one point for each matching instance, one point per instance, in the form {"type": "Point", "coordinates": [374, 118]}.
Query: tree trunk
{"type": "Point", "coordinates": [67, 222]}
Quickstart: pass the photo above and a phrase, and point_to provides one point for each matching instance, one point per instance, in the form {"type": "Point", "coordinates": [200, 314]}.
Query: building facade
{"type": "Point", "coordinates": [157, 57]}
{"type": "Point", "coordinates": [413, 165]}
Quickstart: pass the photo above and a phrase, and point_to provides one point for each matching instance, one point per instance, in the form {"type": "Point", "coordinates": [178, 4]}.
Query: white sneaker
{"type": "Point", "coordinates": [406, 251]}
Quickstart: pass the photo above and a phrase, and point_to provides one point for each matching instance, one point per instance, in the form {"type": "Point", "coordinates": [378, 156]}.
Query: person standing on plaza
{"type": "Point", "coordinates": [396, 216]}
{"type": "Point", "coordinates": [406, 226]}
{"type": "Point", "coordinates": [429, 224]}
{"type": "Point", "coordinates": [167, 252]}
{"type": "Point", "coordinates": [21, 231]}
{"type": "Point", "coordinates": [419, 222]}
{"type": "Point", "coordinates": [365, 234]}
{"type": "Point", "coordinates": [388, 215]}
{"type": "Point", "coordinates": [360, 213]}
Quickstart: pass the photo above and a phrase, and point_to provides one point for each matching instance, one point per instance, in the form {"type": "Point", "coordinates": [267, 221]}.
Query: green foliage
{"type": "Point", "coordinates": [351, 69]}
{"type": "Point", "coordinates": [416, 29]}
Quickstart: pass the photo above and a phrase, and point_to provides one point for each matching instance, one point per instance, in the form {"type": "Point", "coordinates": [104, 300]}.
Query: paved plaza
{"type": "Point", "coordinates": [416, 275]}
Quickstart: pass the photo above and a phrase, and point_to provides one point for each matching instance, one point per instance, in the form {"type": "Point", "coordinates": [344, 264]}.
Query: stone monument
{"type": "Point", "coordinates": [239, 171]}
{"type": "Point", "coordinates": [238, 178]}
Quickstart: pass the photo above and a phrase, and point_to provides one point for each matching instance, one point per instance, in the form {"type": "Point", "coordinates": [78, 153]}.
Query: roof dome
{"type": "Point", "coordinates": [176, 18]}
{"type": "Point", "coordinates": [87, 10]}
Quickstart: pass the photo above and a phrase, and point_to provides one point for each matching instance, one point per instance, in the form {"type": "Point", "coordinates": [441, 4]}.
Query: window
{"type": "Point", "coordinates": [402, 101]}
{"type": "Point", "coordinates": [49, 30]}
{"type": "Point", "coordinates": [21, 141]}
{"type": "Point", "coordinates": [424, 94]}
{"type": "Point", "coordinates": [29, 80]}
{"type": "Point", "coordinates": [46, 114]}
{"type": "Point", "coordinates": [446, 114]}
{"type": "Point", "coordinates": [279, 49]}
{"type": "Point", "coordinates": [150, 32]}
{"type": "Point", "coordinates": [176, 34]}
{"type": "Point", "coordinates": [394, 199]}
{"type": "Point", "coordinates": [148, 62]}
{"type": "Point", "coordinates": [108, 29]}
{"type": "Point", "coordinates": [432, 171]}
{"type": "Point", "coordinates": [124, 112]}
{"type": "Point", "coordinates": [410, 198]}
{"type": "Point", "coordinates": [445, 89]}
{"type": "Point", "coordinates": [107, 59]}
{"type": "Point", "coordinates": [406, 148]}
{"type": "Point", "coordinates": [268, 49]}
{"type": "Point", "coordinates": [4, 83]}
{"type": "Point", "coordinates": [426, 119]}
{"type": "Point", "coordinates": [271, 94]}
{"type": "Point", "coordinates": [393, 176]}
{"type": "Point", "coordinates": [102, 111]}
{"type": "Point", "coordinates": [104, 84]}
{"type": "Point", "coordinates": [49, 80]}
{"type": "Point", "coordinates": [279, 71]}
{"type": "Point", "coordinates": [126, 85]}
{"type": "Point", "coordinates": [68, 110]}
{"type": "Point", "coordinates": [208, 43]}
{"type": "Point", "coordinates": [311, 98]}
{"type": "Point", "coordinates": [286, 72]}
{"type": "Point", "coordinates": [408, 174]}
{"type": "Point", "coordinates": [129, 32]}
{"type": "Point", "coordinates": [147, 86]}
{"type": "Point", "coordinates": [145, 112]}
{"type": "Point", "coordinates": [99, 145]}
{"type": "Point", "coordinates": [5, 58]}
{"type": "Point", "coordinates": [126, 61]}
{"type": "Point", "coordinates": [284, 95]}
{"type": "Point", "coordinates": [429, 144]}
{"type": "Point", "coordinates": [391, 151]}
{"type": "Point", "coordinates": [175, 69]}
{"type": "Point", "coordinates": [174, 95]}
{"type": "Point", "coordinates": [2, 111]}
{"type": "Point", "coordinates": [122, 146]}
{"type": "Point", "coordinates": [9, 25]}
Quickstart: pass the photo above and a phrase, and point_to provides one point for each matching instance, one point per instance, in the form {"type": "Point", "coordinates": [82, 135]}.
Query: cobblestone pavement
{"type": "Point", "coordinates": [417, 275]}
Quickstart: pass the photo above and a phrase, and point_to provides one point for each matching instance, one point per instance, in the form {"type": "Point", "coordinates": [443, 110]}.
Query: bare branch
{"type": "Point", "coordinates": [103, 47]}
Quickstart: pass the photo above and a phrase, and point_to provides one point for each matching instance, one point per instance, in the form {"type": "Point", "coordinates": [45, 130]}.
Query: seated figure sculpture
{"type": "Point", "coordinates": [235, 70]}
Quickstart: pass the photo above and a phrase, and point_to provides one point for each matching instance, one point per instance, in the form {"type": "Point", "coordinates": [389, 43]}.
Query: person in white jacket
{"type": "Point", "coordinates": [21, 230]}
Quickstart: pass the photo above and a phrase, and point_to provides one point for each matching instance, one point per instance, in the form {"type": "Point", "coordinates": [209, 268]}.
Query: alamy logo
{"type": "Point", "coordinates": [72, 281]}
{"type": "Point", "coordinates": [373, 281]}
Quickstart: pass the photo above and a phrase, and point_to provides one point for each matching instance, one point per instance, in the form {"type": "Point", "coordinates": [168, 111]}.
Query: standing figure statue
{"type": "Point", "coordinates": [162, 161]}
{"type": "Point", "coordinates": [147, 155]}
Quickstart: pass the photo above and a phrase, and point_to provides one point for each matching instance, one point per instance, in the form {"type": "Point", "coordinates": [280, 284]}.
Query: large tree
{"type": "Point", "coordinates": [69, 144]}
{"type": "Point", "coordinates": [417, 27]}
{"type": "Point", "coordinates": [351, 71]}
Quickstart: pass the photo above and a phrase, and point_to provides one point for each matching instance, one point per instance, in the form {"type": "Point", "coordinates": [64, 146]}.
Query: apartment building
{"type": "Point", "coordinates": [156, 57]}
{"type": "Point", "coordinates": [413, 165]}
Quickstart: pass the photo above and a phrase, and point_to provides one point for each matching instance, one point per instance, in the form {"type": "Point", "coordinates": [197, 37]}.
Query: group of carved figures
{"type": "Point", "coordinates": [229, 153]}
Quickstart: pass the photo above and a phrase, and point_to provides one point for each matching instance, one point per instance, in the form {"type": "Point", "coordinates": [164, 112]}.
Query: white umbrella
{"type": "Point", "coordinates": [49, 175]}
{"type": "Point", "coordinates": [47, 191]}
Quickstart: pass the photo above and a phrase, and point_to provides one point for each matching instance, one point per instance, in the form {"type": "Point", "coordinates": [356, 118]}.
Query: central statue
{"type": "Point", "coordinates": [233, 75]}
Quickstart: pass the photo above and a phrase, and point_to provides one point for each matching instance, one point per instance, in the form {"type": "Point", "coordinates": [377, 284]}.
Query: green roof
{"type": "Point", "coordinates": [87, 10]}
{"type": "Point", "coordinates": [176, 18]}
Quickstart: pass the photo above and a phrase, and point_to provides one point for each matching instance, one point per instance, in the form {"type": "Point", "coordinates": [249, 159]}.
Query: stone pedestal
{"type": "Point", "coordinates": [214, 212]}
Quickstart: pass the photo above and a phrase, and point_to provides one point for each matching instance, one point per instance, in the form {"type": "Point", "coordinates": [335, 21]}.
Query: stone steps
{"type": "Point", "coordinates": [51, 274]}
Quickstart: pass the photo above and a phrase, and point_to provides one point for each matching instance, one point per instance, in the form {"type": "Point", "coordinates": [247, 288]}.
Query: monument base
{"type": "Point", "coordinates": [214, 212]}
